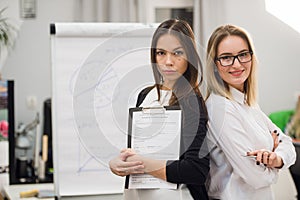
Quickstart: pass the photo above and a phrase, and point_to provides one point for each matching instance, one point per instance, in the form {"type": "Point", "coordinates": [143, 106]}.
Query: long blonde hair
{"type": "Point", "coordinates": [215, 83]}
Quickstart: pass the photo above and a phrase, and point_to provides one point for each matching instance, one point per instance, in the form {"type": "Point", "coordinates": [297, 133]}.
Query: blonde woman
{"type": "Point", "coordinates": [247, 149]}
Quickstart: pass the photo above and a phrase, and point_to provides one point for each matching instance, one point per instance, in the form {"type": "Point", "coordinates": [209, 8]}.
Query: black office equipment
{"type": "Point", "coordinates": [11, 130]}
{"type": "Point", "coordinates": [295, 169]}
{"type": "Point", "coordinates": [47, 130]}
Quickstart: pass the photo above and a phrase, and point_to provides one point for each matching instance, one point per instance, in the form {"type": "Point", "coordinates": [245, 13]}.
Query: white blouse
{"type": "Point", "coordinates": [151, 98]}
{"type": "Point", "coordinates": [234, 129]}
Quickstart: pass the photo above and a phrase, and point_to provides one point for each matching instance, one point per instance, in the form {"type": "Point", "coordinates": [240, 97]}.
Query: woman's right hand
{"type": "Point", "coordinates": [121, 167]}
{"type": "Point", "coordinates": [270, 159]}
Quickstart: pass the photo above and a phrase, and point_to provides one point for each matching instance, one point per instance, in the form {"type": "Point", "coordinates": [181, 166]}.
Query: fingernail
{"type": "Point", "coordinates": [275, 131]}
{"type": "Point", "coordinates": [257, 162]}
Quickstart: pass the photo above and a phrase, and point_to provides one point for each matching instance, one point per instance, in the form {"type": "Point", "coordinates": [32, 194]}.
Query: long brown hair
{"type": "Point", "coordinates": [191, 79]}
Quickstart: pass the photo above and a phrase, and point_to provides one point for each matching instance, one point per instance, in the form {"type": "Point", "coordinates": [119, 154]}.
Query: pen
{"type": "Point", "coordinates": [254, 158]}
{"type": "Point", "coordinates": [249, 156]}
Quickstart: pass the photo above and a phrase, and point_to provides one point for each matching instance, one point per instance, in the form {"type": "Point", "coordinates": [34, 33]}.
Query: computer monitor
{"type": "Point", "coordinates": [7, 116]}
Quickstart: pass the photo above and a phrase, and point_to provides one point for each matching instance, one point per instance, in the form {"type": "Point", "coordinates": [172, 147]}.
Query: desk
{"type": "Point", "coordinates": [12, 192]}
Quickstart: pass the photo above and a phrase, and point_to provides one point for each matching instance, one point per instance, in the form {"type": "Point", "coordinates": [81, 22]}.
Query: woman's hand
{"type": "Point", "coordinates": [269, 159]}
{"type": "Point", "coordinates": [121, 167]}
{"type": "Point", "coordinates": [156, 168]}
{"type": "Point", "coordinates": [276, 140]}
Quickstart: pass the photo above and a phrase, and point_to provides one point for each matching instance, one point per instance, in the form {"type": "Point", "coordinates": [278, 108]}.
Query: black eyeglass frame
{"type": "Point", "coordinates": [235, 57]}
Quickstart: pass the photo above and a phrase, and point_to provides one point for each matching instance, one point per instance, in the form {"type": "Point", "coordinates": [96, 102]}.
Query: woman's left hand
{"type": "Point", "coordinates": [122, 167]}
{"type": "Point", "coordinates": [276, 141]}
{"type": "Point", "coordinates": [268, 158]}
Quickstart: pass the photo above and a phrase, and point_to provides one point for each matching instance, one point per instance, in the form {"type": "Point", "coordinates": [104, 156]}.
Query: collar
{"type": "Point", "coordinates": [237, 95]}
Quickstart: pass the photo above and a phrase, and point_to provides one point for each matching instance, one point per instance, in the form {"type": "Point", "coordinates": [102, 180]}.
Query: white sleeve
{"type": "Point", "coordinates": [229, 132]}
{"type": "Point", "coordinates": [285, 149]}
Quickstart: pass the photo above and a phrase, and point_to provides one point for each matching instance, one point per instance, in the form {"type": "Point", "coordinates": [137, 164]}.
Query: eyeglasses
{"type": "Point", "coordinates": [229, 60]}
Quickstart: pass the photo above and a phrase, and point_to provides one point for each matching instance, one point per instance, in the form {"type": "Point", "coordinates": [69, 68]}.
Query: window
{"type": "Point", "coordinates": [287, 11]}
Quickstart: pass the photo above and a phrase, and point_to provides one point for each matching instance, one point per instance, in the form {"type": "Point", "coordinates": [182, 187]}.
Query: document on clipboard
{"type": "Point", "coordinates": [154, 133]}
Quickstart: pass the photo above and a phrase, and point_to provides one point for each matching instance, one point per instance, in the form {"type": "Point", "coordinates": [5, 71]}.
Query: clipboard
{"type": "Point", "coordinates": [154, 132]}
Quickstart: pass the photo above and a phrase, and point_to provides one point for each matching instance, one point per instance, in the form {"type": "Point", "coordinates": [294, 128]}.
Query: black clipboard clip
{"type": "Point", "coordinates": [154, 110]}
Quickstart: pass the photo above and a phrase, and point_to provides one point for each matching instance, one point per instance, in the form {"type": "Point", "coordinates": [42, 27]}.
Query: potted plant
{"type": "Point", "coordinates": [7, 31]}
{"type": "Point", "coordinates": [7, 36]}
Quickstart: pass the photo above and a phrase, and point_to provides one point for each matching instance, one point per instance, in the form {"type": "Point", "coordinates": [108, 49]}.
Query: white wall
{"type": "Point", "coordinates": [277, 47]}
{"type": "Point", "coordinates": [29, 62]}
